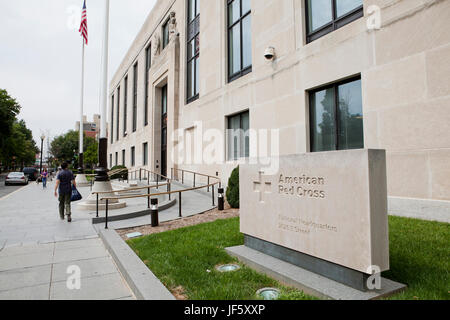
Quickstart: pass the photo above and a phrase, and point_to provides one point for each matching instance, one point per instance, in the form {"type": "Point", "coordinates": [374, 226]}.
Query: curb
{"type": "Point", "coordinates": [144, 284]}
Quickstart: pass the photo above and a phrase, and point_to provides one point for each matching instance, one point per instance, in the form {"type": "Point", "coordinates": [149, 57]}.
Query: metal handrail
{"type": "Point", "coordinates": [173, 170]}
{"type": "Point", "coordinates": [149, 195]}
{"type": "Point", "coordinates": [130, 189]}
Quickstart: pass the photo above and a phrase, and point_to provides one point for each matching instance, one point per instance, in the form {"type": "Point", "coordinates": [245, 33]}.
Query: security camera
{"type": "Point", "coordinates": [269, 54]}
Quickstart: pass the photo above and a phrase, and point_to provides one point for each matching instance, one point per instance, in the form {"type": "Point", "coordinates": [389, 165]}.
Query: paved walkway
{"type": "Point", "coordinates": [193, 202]}
{"type": "Point", "coordinates": [36, 249]}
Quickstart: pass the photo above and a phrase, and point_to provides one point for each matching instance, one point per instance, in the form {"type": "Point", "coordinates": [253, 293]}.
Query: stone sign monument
{"type": "Point", "coordinates": [325, 212]}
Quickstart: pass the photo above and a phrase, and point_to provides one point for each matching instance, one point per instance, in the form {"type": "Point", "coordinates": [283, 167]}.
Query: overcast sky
{"type": "Point", "coordinates": [40, 56]}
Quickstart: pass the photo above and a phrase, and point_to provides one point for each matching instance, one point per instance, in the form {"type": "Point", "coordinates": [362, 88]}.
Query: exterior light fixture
{"type": "Point", "coordinates": [268, 293]}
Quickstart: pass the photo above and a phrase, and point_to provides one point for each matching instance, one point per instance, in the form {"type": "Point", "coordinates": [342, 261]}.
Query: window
{"type": "Point", "coordinates": [112, 119]}
{"type": "Point", "coordinates": [325, 16]}
{"type": "Point", "coordinates": [165, 35]}
{"type": "Point", "coordinates": [238, 136]}
{"type": "Point", "coordinates": [123, 158]}
{"type": "Point", "coordinates": [239, 38]}
{"type": "Point", "coordinates": [117, 159]}
{"type": "Point", "coordinates": [193, 51]}
{"type": "Point", "coordinates": [145, 154]}
{"type": "Point", "coordinates": [148, 64]}
{"type": "Point", "coordinates": [135, 83]}
{"type": "Point", "coordinates": [118, 115]}
{"type": "Point", "coordinates": [133, 156]}
{"type": "Point", "coordinates": [336, 117]}
{"type": "Point", "coordinates": [125, 108]}
{"type": "Point", "coordinates": [110, 160]}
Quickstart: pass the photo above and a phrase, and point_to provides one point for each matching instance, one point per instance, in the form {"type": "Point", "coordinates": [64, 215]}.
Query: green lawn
{"type": "Point", "coordinates": [419, 257]}
{"type": "Point", "coordinates": [187, 257]}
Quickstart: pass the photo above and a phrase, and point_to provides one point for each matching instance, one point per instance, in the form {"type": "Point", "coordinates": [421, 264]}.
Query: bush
{"type": "Point", "coordinates": [233, 189]}
{"type": "Point", "coordinates": [122, 175]}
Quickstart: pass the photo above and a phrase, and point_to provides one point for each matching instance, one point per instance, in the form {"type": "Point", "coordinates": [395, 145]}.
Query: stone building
{"type": "Point", "coordinates": [324, 74]}
{"type": "Point", "coordinates": [91, 129]}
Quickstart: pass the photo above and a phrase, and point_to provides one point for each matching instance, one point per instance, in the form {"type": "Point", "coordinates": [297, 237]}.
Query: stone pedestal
{"type": "Point", "coordinates": [91, 202]}
{"type": "Point", "coordinates": [81, 180]}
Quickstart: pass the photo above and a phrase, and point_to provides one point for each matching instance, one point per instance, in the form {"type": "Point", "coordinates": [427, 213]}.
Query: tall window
{"type": "Point", "coordinates": [239, 38]}
{"type": "Point", "coordinates": [145, 154]}
{"type": "Point", "coordinates": [123, 158]}
{"type": "Point", "coordinates": [112, 119]}
{"type": "Point", "coordinates": [238, 136]}
{"type": "Point", "coordinates": [117, 159]}
{"type": "Point", "coordinates": [133, 156]}
{"type": "Point", "coordinates": [118, 115]}
{"type": "Point", "coordinates": [110, 160]}
{"type": "Point", "coordinates": [325, 16]}
{"type": "Point", "coordinates": [193, 50]}
{"type": "Point", "coordinates": [125, 108]}
{"type": "Point", "coordinates": [148, 64]}
{"type": "Point", "coordinates": [135, 84]}
{"type": "Point", "coordinates": [336, 117]}
{"type": "Point", "coordinates": [165, 34]}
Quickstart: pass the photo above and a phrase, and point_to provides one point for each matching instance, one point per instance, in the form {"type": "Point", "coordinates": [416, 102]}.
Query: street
{"type": "Point", "coordinates": [5, 190]}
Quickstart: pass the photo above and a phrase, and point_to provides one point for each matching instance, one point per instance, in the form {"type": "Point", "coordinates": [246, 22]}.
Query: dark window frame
{"type": "Point", "coordinates": [243, 71]}
{"type": "Point", "coordinates": [112, 119]}
{"type": "Point", "coordinates": [148, 65]}
{"type": "Point", "coordinates": [133, 156]}
{"type": "Point", "coordinates": [145, 154]}
{"type": "Point", "coordinates": [125, 107]}
{"type": "Point", "coordinates": [335, 24]}
{"type": "Point", "coordinates": [193, 31]}
{"type": "Point", "coordinates": [229, 118]}
{"type": "Point", "coordinates": [124, 157]}
{"type": "Point", "coordinates": [165, 32]}
{"type": "Point", "coordinates": [118, 115]}
{"type": "Point", "coordinates": [335, 86]}
{"type": "Point", "coordinates": [135, 95]}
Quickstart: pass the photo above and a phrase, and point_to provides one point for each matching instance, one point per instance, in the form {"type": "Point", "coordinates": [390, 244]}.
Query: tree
{"type": "Point", "coordinates": [91, 155]}
{"type": "Point", "coordinates": [9, 110]}
{"type": "Point", "coordinates": [233, 189]}
{"type": "Point", "coordinates": [16, 140]}
{"type": "Point", "coordinates": [65, 147]}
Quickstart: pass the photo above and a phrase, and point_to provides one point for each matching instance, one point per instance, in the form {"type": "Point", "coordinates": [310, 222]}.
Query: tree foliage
{"type": "Point", "coordinates": [65, 147]}
{"type": "Point", "coordinates": [17, 146]}
{"type": "Point", "coordinates": [91, 155]}
{"type": "Point", "coordinates": [233, 189]}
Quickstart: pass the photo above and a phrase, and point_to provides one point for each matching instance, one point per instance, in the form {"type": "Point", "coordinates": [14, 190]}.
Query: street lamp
{"type": "Point", "coordinates": [42, 152]}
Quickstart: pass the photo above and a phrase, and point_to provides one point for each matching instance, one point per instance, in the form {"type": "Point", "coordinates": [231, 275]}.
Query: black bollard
{"type": "Point", "coordinates": [221, 200]}
{"type": "Point", "coordinates": [154, 213]}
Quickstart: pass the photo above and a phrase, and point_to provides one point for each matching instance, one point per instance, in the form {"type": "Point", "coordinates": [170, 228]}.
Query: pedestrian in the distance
{"type": "Point", "coordinates": [63, 186]}
{"type": "Point", "coordinates": [44, 177]}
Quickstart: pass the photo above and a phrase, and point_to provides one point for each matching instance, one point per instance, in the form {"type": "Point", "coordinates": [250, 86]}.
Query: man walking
{"type": "Point", "coordinates": [64, 182]}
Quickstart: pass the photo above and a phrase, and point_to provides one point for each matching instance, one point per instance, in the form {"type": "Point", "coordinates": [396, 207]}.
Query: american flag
{"type": "Point", "coordinates": [84, 28]}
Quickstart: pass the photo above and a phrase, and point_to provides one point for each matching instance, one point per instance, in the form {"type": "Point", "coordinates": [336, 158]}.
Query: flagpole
{"type": "Point", "coordinates": [102, 183]}
{"type": "Point", "coordinates": [81, 179]}
{"type": "Point", "coordinates": [102, 175]}
{"type": "Point", "coordinates": [80, 160]}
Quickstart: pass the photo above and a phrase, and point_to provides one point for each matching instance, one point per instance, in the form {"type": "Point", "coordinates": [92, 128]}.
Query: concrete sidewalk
{"type": "Point", "coordinates": [36, 249]}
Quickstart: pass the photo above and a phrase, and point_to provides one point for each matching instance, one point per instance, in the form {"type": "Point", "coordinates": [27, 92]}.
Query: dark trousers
{"type": "Point", "coordinates": [64, 204]}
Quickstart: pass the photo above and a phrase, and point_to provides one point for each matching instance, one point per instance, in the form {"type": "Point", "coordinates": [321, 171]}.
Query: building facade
{"type": "Point", "coordinates": [91, 129]}
{"type": "Point", "coordinates": [324, 75]}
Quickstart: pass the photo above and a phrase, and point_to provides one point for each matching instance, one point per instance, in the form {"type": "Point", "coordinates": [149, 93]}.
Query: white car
{"type": "Point", "coordinates": [16, 178]}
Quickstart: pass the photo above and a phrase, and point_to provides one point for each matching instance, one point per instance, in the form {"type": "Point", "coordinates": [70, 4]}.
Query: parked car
{"type": "Point", "coordinates": [31, 173]}
{"type": "Point", "coordinates": [16, 178]}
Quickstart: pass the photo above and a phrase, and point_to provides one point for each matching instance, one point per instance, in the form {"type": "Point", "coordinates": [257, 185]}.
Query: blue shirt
{"type": "Point", "coordinates": [65, 186]}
